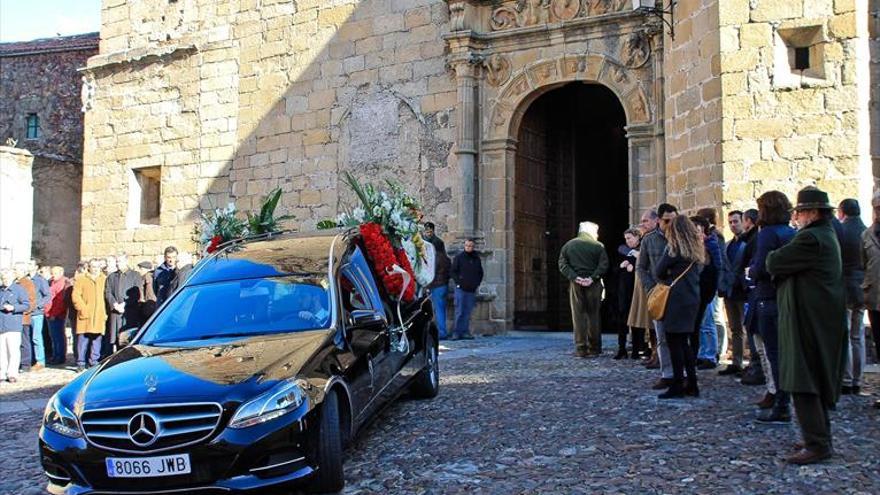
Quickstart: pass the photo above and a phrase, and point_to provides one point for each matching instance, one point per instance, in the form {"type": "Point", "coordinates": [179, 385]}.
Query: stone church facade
{"type": "Point", "coordinates": [511, 120]}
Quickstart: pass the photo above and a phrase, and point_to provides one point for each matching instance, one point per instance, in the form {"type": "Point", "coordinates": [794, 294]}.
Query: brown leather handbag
{"type": "Point", "coordinates": [659, 296]}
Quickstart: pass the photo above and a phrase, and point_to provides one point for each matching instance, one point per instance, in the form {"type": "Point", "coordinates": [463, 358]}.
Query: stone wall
{"type": "Point", "coordinates": [785, 129]}
{"type": "Point", "coordinates": [57, 212]}
{"type": "Point", "coordinates": [693, 105]}
{"type": "Point", "coordinates": [874, 51]}
{"type": "Point", "coordinates": [41, 77]}
{"type": "Point", "coordinates": [234, 98]}
{"type": "Point", "coordinates": [16, 205]}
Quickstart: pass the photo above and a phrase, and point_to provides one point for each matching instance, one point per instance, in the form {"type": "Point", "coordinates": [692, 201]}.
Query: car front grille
{"type": "Point", "coordinates": [150, 427]}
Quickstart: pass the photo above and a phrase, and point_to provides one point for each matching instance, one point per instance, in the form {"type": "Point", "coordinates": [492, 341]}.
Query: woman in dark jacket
{"type": "Point", "coordinates": [680, 268]}
{"type": "Point", "coordinates": [626, 280]}
{"type": "Point", "coordinates": [774, 216]}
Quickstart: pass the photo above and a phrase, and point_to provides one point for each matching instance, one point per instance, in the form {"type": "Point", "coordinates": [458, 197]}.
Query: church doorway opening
{"type": "Point", "coordinates": [571, 166]}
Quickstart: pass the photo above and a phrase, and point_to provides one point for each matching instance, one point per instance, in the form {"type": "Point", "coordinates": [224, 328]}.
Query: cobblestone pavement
{"type": "Point", "coordinates": [520, 415]}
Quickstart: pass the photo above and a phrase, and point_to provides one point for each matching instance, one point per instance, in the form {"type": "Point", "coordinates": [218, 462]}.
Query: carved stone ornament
{"type": "Point", "coordinates": [456, 16]}
{"type": "Point", "coordinates": [498, 70]}
{"type": "Point", "coordinates": [600, 7]}
{"type": "Point", "coordinates": [524, 13]}
{"type": "Point", "coordinates": [636, 50]}
{"type": "Point", "coordinates": [520, 14]}
{"type": "Point", "coordinates": [565, 10]}
{"type": "Point", "coordinates": [87, 93]}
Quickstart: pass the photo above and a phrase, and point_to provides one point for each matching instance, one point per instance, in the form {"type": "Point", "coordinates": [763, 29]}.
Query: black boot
{"type": "Point", "coordinates": [676, 391]}
{"type": "Point", "coordinates": [691, 389]}
{"type": "Point", "coordinates": [639, 345]}
{"type": "Point", "coordinates": [621, 354]}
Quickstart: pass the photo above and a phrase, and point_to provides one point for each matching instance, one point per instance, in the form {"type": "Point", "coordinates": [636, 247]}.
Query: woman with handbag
{"type": "Point", "coordinates": [679, 275]}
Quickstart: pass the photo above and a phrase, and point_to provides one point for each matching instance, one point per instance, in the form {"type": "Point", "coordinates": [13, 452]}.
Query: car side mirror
{"type": "Point", "coordinates": [124, 337]}
{"type": "Point", "coordinates": [366, 318]}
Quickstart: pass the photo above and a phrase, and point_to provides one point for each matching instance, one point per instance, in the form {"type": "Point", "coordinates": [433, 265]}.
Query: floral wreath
{"type": "Point", "coordinates": [223, 225]}
{"type": "Point", "coordinates": [388, 222]}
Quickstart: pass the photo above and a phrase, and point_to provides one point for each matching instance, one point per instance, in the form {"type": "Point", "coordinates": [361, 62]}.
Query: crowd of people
{"type": "Point", "coordinates": [39, 305]}
{"type": "Point", "coordinates": [795, 282]}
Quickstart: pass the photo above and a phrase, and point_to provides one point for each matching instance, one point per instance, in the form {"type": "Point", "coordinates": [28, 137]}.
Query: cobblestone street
{"type": "Point", "coordinates": [520, 415]}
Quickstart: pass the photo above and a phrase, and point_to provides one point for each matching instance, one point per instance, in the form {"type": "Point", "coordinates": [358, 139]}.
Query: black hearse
{"type": "Point", "coordinates": [254, 374]}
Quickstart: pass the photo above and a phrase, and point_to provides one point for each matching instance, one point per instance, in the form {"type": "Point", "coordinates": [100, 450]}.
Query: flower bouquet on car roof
{"type": "Point", "coordinates": [222, 225]}
{"type": "Point", "coordinates": [388, 221]}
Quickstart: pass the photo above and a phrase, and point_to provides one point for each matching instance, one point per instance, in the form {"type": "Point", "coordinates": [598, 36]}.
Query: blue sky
{"type": "Point", "coordinates": [23, 20]}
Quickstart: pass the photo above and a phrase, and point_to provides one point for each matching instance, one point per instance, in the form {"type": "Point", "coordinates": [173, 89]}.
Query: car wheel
{"type": "Point", "coordinates": [328, 455]}
{"type": "Point", "coordinates": [427, 384]}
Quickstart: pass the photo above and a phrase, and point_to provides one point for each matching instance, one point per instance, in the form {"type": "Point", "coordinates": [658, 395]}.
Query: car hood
{"type": "Point", "coordinates": [232, 371]}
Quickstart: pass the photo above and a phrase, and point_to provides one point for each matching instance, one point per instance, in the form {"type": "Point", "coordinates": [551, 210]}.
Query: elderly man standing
{"type": "Point", "coordinates": [122, 293]}
{"type": "Point", "coordinates": [91, 315]}
{"type": "Point", "coordinates": [870, 256]}
{"type": "Point", "coordinates": [14, 302]}
{"type": "Point", "coordinates": [583, 261]}
{"type": "Point", "coordinates": [812, 333]}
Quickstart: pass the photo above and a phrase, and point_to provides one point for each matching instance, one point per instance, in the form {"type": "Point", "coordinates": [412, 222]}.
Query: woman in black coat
{"type": "Point", "coordinates": [680, 268]}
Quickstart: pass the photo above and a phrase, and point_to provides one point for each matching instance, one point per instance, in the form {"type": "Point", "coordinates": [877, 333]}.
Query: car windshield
{"type": "Point", "coordinates": [242, 308]}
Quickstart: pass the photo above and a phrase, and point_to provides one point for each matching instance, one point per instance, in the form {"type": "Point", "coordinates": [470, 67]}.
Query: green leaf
{"type": "Point", "coordinates": [327, 224]}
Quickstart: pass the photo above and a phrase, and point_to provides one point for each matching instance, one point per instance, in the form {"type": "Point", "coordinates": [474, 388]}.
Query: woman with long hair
{"type": "Point", "coordinates": [774, 216]}
{"type": "Point", "coordinates": [680, 268]}
{"type": "Point", "coordinates": [631, 297]}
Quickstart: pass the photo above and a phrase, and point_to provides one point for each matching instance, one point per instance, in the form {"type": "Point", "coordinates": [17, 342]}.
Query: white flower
{"type": "Point", "coordinates": [359, 214]}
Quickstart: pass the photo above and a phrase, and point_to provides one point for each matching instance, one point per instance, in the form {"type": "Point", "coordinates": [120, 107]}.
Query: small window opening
{"type": "Point", "coordinates": [33, 126]}
{"type": "Point", "coordinates": [802, 58]}
{"type": "Point", "coordinates": [148, 180]}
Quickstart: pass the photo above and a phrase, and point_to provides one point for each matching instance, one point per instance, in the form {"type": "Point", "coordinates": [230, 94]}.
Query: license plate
{"type": "Point", "coordinates": [148, 467]}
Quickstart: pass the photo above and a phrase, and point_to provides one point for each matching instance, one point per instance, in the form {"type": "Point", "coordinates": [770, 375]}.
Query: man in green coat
{"type": "Point", "coordinates": [583, 261]}
{"type": "Point", "coordinates": [812, 313]}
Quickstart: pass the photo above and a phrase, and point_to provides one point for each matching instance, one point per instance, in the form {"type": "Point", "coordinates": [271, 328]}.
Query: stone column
{"type": "Point", "coordinates": [659, 99]}
{"type": "Point", "coordinates": [643, 171]}
{"type": "Point", "coordinates": [466, 150]}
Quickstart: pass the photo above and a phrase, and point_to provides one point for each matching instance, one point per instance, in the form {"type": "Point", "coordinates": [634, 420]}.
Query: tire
{"type": "Point", "coordinates": [427, 384]}
{"type": "Point", "coordinates": [328, 454]}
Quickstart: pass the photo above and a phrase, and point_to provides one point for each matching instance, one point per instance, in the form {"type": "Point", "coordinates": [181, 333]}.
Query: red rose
{"type": "Point", "coordinates": [215, 241]}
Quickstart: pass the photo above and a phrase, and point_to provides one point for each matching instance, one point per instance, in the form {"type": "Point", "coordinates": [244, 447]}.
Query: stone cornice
{"type": "Point", "coordinates": [144, 55]}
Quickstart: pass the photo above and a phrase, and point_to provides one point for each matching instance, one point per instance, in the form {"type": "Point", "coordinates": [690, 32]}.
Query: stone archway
{"type": "Point", "coordinates": [503, 119]}
{"type": "Point", "coordinates": [506, 54]}
{"type": "Point", "coordinates": [571, 165]}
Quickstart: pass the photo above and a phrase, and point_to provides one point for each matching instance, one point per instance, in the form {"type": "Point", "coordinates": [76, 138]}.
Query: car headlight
{"type": "Point", "coordinates": [278, 401]}
{"type": "Point", "coordinates": [60, 419]}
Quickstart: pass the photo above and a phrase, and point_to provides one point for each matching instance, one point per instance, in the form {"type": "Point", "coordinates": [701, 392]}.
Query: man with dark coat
{"type": "Point", "coordinates": [653, 247]}
{"type": "Point", "coordinates": [439, 287]}
{"type": "Point", "coordinates": [122, 292]}
{"type": "Point", "coordinates": [164, 275]}
{"type": "Point", "coordinates": [147, 301]}
{"type": "Point", "coordinates": [733, 290]}
{"type": "Point", "coordinates": [467, 271]}
{"type": "Point", "coordinates": [583, 261]}
{"type": "Point", "coordinates": [812, 333]}
{"type": "Point", "coordinates": [852, 229]}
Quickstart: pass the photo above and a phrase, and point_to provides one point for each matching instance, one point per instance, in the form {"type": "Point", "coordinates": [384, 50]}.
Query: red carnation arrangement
{"type": "Point", "coordinates": [383, 258]}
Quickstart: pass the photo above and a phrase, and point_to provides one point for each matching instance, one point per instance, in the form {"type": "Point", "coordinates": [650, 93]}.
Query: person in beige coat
{"type": "Point", "coordinates": [91, 314]}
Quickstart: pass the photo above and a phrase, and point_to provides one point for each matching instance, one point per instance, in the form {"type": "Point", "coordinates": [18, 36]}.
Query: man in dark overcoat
{"type": "Point", "coordinates": [122, 292]}
{"type": "Point", "coordinates": [812, 330]}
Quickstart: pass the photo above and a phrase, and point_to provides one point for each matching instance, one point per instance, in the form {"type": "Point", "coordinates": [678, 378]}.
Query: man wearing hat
{"type": "Point", "coordinates": [583, 261]}
{"type": "Point", "coordinates": [812, 332]}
